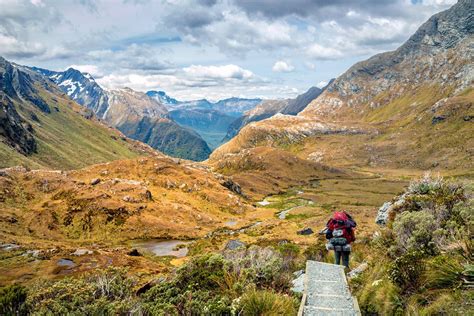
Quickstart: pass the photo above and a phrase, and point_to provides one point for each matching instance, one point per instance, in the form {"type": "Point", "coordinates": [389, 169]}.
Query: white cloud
{"type": "Point", "coordinates": [317, 51]}
{"type": "Point", "coordinates": [310, 65]}
{"type": "Point", "coordinates": [322, 84]}
{"type": "Point", "coordinates": [90, 69]}
{"type": "Point", "coordinates": [38, 3]}
{"type": "Point", "coordinates": [222, 72]}
{"type": "Point", "coordinates": [282, 66]}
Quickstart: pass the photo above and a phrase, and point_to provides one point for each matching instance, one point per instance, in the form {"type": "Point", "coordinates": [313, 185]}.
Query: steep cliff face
{"type": "Point", "coordinates": [439, 53]}
{"type": "Point", "coordinates": [15, 131]}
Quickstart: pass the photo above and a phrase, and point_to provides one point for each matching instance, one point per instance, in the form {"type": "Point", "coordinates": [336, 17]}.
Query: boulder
{"type": "Point", "coordinates": [234, 244]}
{"type": "Point", "coordinates": [232, 186]}
{"type": "Point", "coordinates": [95, 181]}
{"type": "Point", "coordinates": [9, 247]}
{"type": "Point", "coordinates": [383, 213]}
{"type": "Point", "coordinates": [82, 252]}
{"type": "Point", "coordinates": [298, 283]}
{"type": "Point", "coordinates": [306, 231]}
{"type": "Point", "coordinates": [437, 119]}
{"type": "Point", "coordinates": [148, 195]}
{"type": "Point", "coordinates": [357, 271]}
{"type": "Point", "coordinates": [134, 253]}
{"type": "Point", "coordinates": [387, 208]}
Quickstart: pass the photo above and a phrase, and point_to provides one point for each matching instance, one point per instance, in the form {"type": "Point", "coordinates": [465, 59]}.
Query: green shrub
{"type": "Point", "coordinates": [406, 270]}
{"type": "Point", "coordinates": [264, 267]}
{"type": "Point", "coordinates": [201, 272]}
{"type": "Point", "coordinates": [12, 300]}
{"type": "Point", "coordinates": [262, 303]}
{"type": "Point", "coordinates": [316, 251]}
{"type": "Point", "coordinates": [444, 272]}
{"type": "Point", "coordinates": [414, 231]}
{"type": "Point", "coordinates": [104, 292]}
{"type": "Point", "coordinates": [289, 253]}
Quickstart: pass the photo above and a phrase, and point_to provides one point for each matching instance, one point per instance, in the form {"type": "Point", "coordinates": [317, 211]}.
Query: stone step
{"type": "Point", "coordinates": [327, 287]}
{"type": "Point", "coordinates": [319, 311]}
{"type": "Point", "coordinates": [330, 301]}
{"type": "Point", "coordinates": [327, 291]}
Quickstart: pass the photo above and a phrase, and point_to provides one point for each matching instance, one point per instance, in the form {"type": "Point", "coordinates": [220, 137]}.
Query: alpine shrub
{"type": "Point", "coordinates": [406, 270]}
{"type": "Point", "coordinates": [12, 300]}
{"type": "Point", "coordinates": [265, 303]}
{"type": "Point", "coordinates": [414, 231]}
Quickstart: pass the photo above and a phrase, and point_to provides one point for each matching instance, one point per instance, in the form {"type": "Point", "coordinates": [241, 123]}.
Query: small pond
{"type": "Point", "coordinates": [66, 263]}
{"type": "Point", "coordinates": [231, 222]}
{"type": "Point", "coordinates": [159, 247]}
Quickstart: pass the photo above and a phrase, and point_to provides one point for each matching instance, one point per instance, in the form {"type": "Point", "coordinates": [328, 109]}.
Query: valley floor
{"type": "Point", "coordinates": [305, 207]}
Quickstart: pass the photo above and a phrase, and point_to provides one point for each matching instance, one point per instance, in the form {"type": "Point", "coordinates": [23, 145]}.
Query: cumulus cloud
{"type": "Point", "coordinates": [218, 47]}
{"type": "Point", "coordinates": [218, 72]}
{"type": "Point", "coordinates": [134, 56]}
{"type": "Point", "coordinates": [282, 66]}
{"type": "Point", "coordinates": [198, 81]}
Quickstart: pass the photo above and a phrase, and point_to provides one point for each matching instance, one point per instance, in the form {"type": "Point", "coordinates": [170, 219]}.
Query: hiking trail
{"type": "Point", "coordinates": [326, 291]}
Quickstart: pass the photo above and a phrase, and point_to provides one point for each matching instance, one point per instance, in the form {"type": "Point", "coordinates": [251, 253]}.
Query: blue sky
{"type": "Point", "coordinates": [208, 48]}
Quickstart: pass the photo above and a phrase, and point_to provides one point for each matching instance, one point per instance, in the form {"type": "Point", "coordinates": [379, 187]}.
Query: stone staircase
{"type": "Point", "coordinates": [326, 291]}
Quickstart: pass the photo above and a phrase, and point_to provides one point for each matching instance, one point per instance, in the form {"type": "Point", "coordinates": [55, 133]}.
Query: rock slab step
{"type": "Point", "coordinates": [326, 291]}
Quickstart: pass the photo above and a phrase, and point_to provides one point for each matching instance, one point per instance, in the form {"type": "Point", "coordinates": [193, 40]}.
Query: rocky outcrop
{"type": "Point", "coordinates": [14, 130]}
{"type": "Point", "coordinates": [440, 52]}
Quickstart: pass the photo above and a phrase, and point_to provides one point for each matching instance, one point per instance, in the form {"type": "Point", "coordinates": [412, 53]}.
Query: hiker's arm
{"type": "Point", "coordinates": [328, 234]}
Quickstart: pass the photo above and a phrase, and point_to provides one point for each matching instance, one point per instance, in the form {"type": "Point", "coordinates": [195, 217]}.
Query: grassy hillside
{"type": "Point", "coordinates": [66, 139]}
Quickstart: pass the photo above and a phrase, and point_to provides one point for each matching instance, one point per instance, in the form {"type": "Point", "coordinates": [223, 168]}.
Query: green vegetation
{"type": "Point", "coordinates": [12, 300]}
{"type": "Point", "coordinates": [246, 281]}
{"type": "Point", "coordinates": [266, 303]}
{"type": "Point", "coordinates": [422, 263]}
{"type": "Point", "coordinates": [168, 137]}
{"type": "Point", "coordinates": [66, 139]}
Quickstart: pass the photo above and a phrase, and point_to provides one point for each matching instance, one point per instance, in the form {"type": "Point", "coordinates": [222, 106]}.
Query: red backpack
{"type": "Point", "coordinates": [344, 222]}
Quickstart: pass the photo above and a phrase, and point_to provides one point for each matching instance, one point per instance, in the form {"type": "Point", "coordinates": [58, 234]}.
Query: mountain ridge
{"type": "Point", "coordinates": [124, 108]}
{"type": "Point", "coordinates": [399, 95]}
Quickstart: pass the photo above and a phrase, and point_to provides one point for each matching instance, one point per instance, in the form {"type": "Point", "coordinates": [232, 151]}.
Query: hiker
{"type": "Point", "coordinates": [340, 233]}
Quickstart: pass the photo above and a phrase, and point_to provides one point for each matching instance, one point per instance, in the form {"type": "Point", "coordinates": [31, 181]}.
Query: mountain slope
{"type": "Point", "coordinates": [410, 108]}
{"type": "Point", "coordinates": [41, 127]}
{"type": "Point", "coordinates": [208, 119]}
{"type": "Point", "coordinates": [298, 104]}
{"type": "Point", "coordinates": [81, 87]}
{"type": "Point", "coordinates": [268, 108]}
{"type": "Point", "coordinates": [134, 113]}
{"type": "Point", "coordinates": [142, 118]}
{"type": "Point", "coordinates": [211, 124]}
